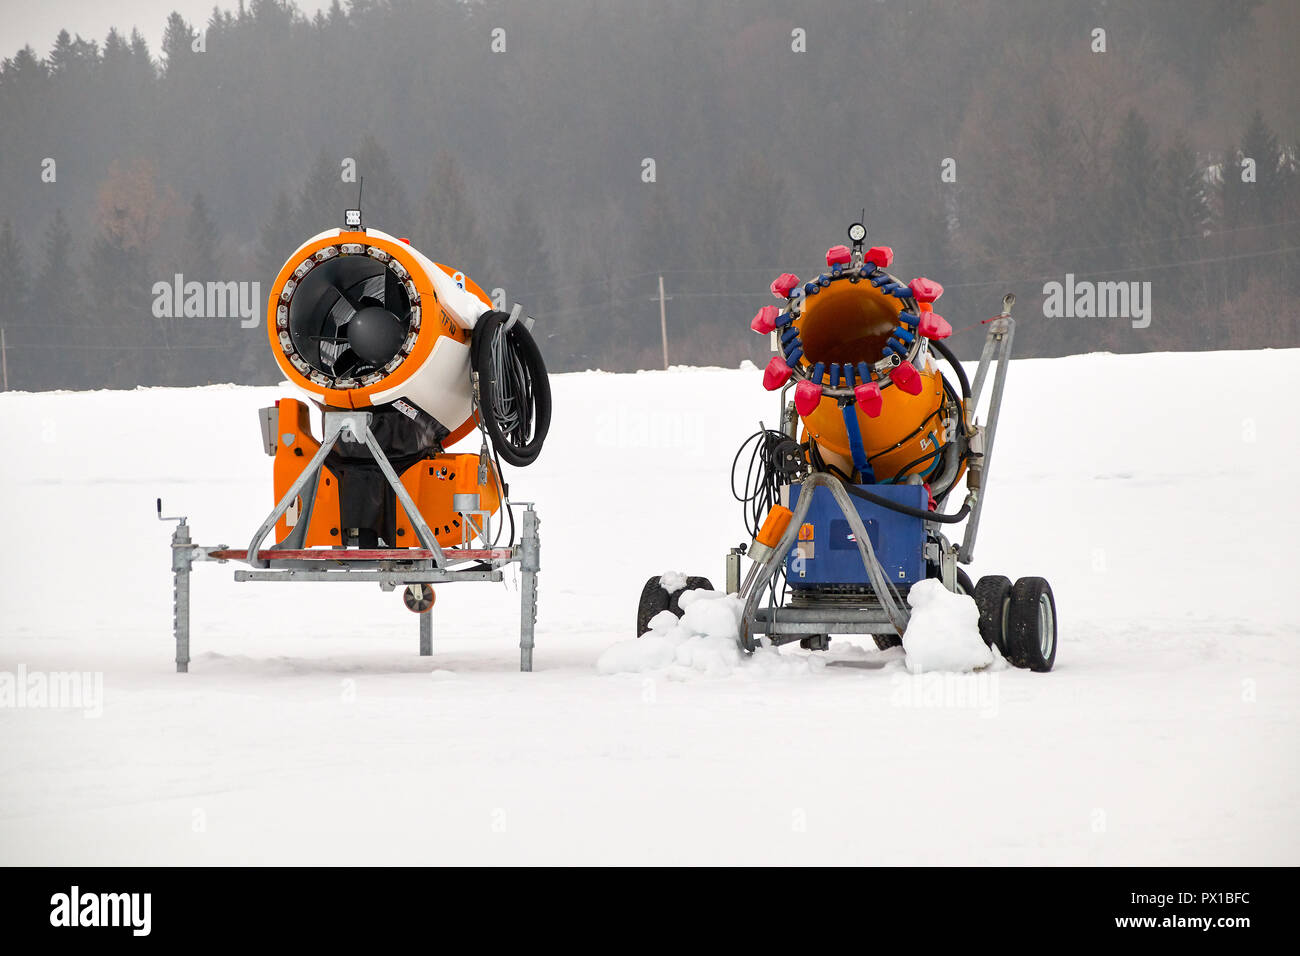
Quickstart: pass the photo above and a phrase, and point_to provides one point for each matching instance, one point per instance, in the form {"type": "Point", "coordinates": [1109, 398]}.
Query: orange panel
{"type": "Point", "coordinates": [432, 483]}
{"type": "Point", "coordinates": [290, 459]}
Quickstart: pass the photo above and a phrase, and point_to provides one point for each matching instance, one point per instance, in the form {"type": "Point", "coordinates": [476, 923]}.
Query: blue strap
{"type": "Point", "coordinates": [855, 443]}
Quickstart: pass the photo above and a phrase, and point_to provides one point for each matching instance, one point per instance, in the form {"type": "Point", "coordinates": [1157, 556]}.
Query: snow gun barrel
{"type": "Point", "coordinates": [855, 342]}
{"type": "Point", "coordinates": [363, 319]}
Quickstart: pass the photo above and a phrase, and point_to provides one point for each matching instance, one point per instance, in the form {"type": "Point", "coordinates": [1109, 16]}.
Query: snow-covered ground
{"type": "Point", "coordinates": [1156, 492]}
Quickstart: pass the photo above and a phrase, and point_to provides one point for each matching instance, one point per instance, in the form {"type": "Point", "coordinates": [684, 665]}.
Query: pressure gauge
{"type": "Point", "coordinates": [857, 233]}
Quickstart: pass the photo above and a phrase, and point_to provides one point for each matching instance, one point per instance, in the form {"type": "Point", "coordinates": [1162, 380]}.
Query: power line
{"type": "Point", "coordinates": [1201, 237]}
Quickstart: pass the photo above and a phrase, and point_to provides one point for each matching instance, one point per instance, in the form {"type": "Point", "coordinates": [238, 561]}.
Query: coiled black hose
{"type": "Point", "coordinates": [514, 393]}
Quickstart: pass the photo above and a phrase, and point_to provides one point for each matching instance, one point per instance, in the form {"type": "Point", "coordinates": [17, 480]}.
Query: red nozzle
{"type": "Point", "coordinates": [783, 284]}
{"type": "Point", "coordinates": [907, 378]}
{"type": "Point", "coordinates": [838, 255]}
{"type": "Point", "coordinates": [765, 319]}
{"type": "Point", "coordinates": [925, 290]}
{"type": "Point", "coordinates": [880, 256]}
{"type": "Point", "coordinates": [807, 396]}
{"type": "Point", "coordinates": [933, 326]}
{"type": "Point", "coordinates": [776, 374]}
{"type": "Point", "coordinates": [869, 399]}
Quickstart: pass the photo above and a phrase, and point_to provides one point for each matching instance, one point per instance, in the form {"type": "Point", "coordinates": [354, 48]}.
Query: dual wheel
{"type": "Point", "coordinates": [1019, 618]}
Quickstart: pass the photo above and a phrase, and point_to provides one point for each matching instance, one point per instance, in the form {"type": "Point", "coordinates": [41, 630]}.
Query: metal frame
{"type": "Point", "coordinates": [882, 612]}
{"type": "Point", "coordinates": [288, 561]}
{"type": "Point", "coordinates": [997, 348]}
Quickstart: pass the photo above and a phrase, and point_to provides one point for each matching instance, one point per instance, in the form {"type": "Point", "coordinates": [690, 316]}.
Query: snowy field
{"type": "Point", "coordinates": [1155, 492]}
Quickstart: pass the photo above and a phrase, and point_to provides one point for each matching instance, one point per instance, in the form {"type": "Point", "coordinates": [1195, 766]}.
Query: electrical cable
{"type": "Point", "coordinates": [762, 482]}
{"type": "Point", "coordinates": [514, 393]}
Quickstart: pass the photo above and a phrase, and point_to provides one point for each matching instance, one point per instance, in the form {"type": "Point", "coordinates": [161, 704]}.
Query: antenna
{"type": "Point", "coordinates": [352, 217]}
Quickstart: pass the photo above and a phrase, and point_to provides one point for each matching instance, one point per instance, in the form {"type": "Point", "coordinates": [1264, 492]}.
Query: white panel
{"type": "Point", "coordinates": [441, 387]}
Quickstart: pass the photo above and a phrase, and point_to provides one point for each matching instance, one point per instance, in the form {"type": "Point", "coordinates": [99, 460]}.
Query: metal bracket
{"type": "Point", "coordinates": [896, 614]}
{"type": "Point", "coordinates": [355, 427]}
{"type": "Point", "coordinates": [997, 349]}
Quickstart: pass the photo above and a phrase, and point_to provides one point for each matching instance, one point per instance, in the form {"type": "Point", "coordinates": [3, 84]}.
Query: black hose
{"type": "Point", "coordinates": [762, 482]}
{"type": "Point", "coordinates": [514, 393]}
{"type": "Point", "coordinates": [857, 492]}
{"type": "Point", "coordinates": [951, 359]}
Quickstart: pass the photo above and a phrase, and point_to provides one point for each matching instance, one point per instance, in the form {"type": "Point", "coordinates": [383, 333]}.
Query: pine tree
{"type": "Point", "coordinates": [278, 237]}
{"type": "Point", "coordinates": [201, 248]}
{"type": "Point", "coordinates": [55, 293]}
{"type": "Point", "coordinates": [1133, 180]}
{"type": "Point", "coordinates": [448, 227]}
{"type": "Point", "coordinates": [525, 261]}
{"type": "Point", "coordinates": [384, 202]}
{"type": "Point", "coordinates": [1253, 203]}
{"type": "Point", "coordinates": [177, 45]}
{"type": "Point", "coordinates": [56, 311]}
{"type": "Point", "coordinates": [17, 295]}
{"type": "Point", "coordinates": [322, 199]}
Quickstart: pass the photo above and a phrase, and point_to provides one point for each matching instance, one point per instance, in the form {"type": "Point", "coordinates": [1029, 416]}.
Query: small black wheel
{"type": "Point", "coordinates": [1031, 625]}
{"type": "Point", "coordinates": [885, 641]}
{"type": "Point", "coordinates": [418, 598]}
{"type": "Point", "coordinates": [655, 598]}
{"type": "Point", "coordinates": [993, 597]}
{"type": "Point", "coordinates": [964, 585]}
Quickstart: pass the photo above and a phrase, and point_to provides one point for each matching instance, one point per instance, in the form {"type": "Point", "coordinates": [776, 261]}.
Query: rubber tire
{"type": "Point", "coordinates": [991, 594]}
{"type": "Point", "coordinates": [1024, 647]}
{"type": "Point", "coordinates": [655, 598]}
{"type": "Point", "coordinates": [422, 604]}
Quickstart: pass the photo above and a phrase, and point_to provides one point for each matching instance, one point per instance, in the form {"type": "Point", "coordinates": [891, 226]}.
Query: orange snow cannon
{"type": "Point", "coordinates": [364, 321]}
{"type": "Point", "coordinates": [399, 358]}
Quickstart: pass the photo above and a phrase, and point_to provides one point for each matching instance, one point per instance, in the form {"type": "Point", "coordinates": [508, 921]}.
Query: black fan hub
{"type": "Point", "coordinates": [375, 334]}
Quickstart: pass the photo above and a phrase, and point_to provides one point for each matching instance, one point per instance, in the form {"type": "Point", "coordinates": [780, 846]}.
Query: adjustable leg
{"type": "Point", "coordinates": [181, 563]}
{"type": "Point", "coordinates": [530, 563]}
{"type": "Point", "coordinates": [426, 633]}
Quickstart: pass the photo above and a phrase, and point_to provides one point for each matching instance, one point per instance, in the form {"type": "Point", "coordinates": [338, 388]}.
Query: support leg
{"type": "Point", "coordinates": [530, 563]}
{"type": "Point", "coordinates": [181, 563]}
{"type": "Point", "coordinates": [426, 633]}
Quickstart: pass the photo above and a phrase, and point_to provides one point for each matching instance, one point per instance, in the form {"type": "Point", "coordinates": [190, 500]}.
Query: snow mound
{"type": "Point", "coordinates": [672, 581]}
{"type": "Point", "coordinates": [943, 633]}
{"type": "Point", "coordinates": [703, 642]}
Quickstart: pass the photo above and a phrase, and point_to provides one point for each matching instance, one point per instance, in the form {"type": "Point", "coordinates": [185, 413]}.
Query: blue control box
{"type": "Point", "coordinates": [826, 551]}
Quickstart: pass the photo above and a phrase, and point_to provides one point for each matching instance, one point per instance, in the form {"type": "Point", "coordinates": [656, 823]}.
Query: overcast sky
{"type": "Point", "coordinates": [37, 22]}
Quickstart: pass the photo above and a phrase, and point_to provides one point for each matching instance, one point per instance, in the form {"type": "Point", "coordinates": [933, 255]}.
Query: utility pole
{"type": "Point", "coordinates": [4, 360]}
{"type": "Point", "coordinates": [663, 322]}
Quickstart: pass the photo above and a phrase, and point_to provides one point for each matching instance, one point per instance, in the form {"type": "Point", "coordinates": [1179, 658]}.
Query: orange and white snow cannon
{"type": "Point", "coordinates": [399, 357]}
{"type": "Point", "coordinates": [845, 500]}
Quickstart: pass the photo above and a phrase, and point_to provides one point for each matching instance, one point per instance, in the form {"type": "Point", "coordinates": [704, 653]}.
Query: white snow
{"type": "Point", "coordinates": [672, 581]}
{"type": "Point", "coordinates": [702, 643]}
{"type": "Point", "coordinates": [943, 632]}
{"type": "Point", "coordinates": [1155, 492]}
